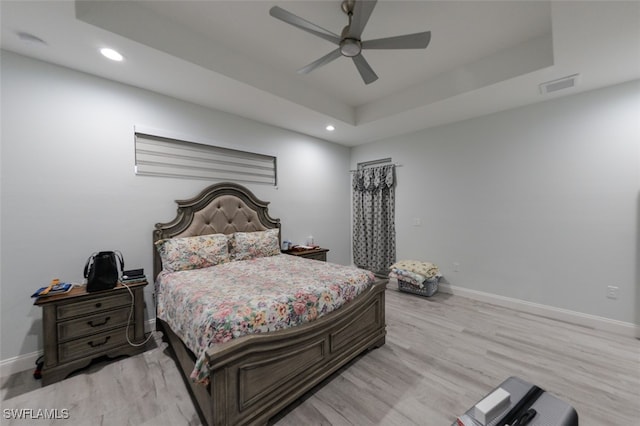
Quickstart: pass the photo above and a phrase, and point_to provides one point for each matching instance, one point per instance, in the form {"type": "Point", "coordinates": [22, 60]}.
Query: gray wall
{"type": "Point", "coordinates": [538, 203]}
{"type": "Point", "coordinates": [69, 189]}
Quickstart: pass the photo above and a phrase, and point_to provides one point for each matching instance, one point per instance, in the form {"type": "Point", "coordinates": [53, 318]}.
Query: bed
{"type": "Point", "coordinates": [250, 378]}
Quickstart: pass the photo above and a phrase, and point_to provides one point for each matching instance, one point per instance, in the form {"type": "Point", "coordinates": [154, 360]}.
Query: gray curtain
{"type": "Point", "coordinates": [374, 234]}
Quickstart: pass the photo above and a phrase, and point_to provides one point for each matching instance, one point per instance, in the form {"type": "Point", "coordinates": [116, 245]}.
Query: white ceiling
{"type": "Point", "coordinates": [231, 55]}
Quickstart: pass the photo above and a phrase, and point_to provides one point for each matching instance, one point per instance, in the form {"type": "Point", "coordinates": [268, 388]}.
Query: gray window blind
{"type": "Point", "coordinates": [163, 156]}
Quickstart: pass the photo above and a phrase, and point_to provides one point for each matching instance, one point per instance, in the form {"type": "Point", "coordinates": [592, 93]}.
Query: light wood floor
{"type": "Point", "coordinates": [442, 355]}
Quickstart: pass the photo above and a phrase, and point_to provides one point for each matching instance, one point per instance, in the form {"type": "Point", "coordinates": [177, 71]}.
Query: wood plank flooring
{"type": "Point", "coordinates": [441, 356]}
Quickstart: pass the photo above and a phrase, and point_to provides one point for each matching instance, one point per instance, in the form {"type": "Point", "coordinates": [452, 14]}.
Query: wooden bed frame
{"type": "Point", "coordinates": [254, 377]}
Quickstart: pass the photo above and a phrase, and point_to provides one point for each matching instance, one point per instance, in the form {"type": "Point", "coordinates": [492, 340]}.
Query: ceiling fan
{"type": "Point", "coordinates": [349, 42]}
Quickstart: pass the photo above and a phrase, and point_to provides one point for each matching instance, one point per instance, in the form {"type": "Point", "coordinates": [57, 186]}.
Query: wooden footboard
{"type": "Point", "coordinates": [255, 377]}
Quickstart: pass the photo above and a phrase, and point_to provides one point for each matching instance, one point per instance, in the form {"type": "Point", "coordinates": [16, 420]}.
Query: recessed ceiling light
{"type": "Point", "coordinates": [330, 128]}
{"type": "Point", "coordinates": [111, 54]}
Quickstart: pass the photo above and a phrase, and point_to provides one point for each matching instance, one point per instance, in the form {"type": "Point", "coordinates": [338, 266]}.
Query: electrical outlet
{"type": "Point", "coordinates": [612, 292]}
{"type": "Point", "coordinates": [417, 221]}
{"type": "Point", "coordinates": [456, 266]}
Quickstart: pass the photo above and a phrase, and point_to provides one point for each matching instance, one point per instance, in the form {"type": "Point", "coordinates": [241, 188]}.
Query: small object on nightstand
{"type": "Point", "coordinates": [46, 290]}
{"type": "Point", "coordinates": [304, 248]}
{"type": "Point", "coordinates": [53, 289]}
{"type": "Point", "coordinates": [286, 245]}
{"type": "Point", "coordinates": [133, 273]}
{"type": "Point", "coordinates": [133, 276]}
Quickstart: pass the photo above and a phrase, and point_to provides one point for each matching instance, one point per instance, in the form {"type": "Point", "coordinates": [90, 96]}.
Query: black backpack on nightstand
{"type": "Point", "coordinates": [101, 270]}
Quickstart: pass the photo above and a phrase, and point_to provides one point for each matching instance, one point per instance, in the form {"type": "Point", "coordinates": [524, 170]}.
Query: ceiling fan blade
{"type": "Point", "coordinates": [335, 54]}
{"type": "Point", "coordinates": [409, 41]}
{"type": "Point", "coordinates": [303, 24]}
{"type": "Point", "coordinates": [361, 12]}
{"type": "Point", "coordinates": [364, 69]}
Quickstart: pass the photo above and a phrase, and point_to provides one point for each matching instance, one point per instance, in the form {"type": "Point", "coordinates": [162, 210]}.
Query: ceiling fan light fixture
{"type": "Point", "coordinates": [350, 47]}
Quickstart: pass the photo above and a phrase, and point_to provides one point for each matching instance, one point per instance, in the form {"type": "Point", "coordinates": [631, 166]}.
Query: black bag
{"type": "Point", "coordinates": [101, 270]}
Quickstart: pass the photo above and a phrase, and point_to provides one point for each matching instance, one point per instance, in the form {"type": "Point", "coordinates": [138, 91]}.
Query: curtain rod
{"type": "Point", "coordinates": [372, 162]}
{"type": "Point", "coordinates": [393, 164]}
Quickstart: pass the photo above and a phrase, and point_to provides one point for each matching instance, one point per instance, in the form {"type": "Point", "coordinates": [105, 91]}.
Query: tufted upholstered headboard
{"type": "Point", "coordinates": [222, 208]}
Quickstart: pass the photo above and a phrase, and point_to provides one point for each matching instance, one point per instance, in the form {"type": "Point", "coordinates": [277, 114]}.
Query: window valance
{"type": "Point", "coordinates": [372, 179]}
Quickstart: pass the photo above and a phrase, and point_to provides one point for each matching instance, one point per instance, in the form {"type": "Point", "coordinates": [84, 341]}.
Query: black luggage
{"type": "Point", "coordinates": [527, 404]}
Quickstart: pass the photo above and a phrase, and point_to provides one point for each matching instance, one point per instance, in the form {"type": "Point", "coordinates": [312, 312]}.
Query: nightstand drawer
{"type": "Point", "coordinates": [88, 346]}
{"type": "Point", "coordinates": [70, 310]}
{"type": "Point", "coordinates": [317, 256]}
{"type": "Point", "coordinates": [93, 324]}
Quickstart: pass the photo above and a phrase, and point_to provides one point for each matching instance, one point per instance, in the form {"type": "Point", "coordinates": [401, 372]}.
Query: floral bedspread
{"type": "Point", "coordinates": [215, 304]}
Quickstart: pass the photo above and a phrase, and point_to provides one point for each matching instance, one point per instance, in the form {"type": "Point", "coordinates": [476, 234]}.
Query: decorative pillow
{"type": "Point", "coordinates": [180, 254]}
{"type": "Point", "coordinates": [249, 245]}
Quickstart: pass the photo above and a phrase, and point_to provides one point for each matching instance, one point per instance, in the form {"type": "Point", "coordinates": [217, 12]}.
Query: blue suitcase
{"type": "Point", "coordinates": [527, 405]}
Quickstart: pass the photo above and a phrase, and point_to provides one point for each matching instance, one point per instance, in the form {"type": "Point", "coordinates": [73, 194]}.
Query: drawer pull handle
{"type": "Point", "coordinates": [95, 345]}
{"type": "Point", "coordinates": [98, 305]}
{"type": "Point", "coordinates": [106, 320]}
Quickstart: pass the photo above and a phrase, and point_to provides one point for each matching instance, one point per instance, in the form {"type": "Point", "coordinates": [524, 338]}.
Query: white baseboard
{"type": "Point", "coordinates": [19, 363]}
{"type": "Point", "coordinates": [26, 362]}
{"type": "Point", "coordinates": [578, 318]}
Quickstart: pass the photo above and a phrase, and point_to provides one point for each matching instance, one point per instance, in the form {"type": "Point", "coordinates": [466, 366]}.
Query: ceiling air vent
{"type": "Point", "coordinates": [559, 84]}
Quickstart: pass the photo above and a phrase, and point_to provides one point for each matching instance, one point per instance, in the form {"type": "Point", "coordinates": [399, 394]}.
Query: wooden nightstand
{"type": "Point", "coordinates": [80, 326]}
{"type": "Point", "coordinates": [315, 254]}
